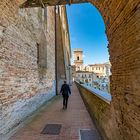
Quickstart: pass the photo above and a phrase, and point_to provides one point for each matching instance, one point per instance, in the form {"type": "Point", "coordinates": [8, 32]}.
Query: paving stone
{"type": "Point", "coordinates": [72, 120]}
{"type": "Point", "coordinates": [89, 134]}
{"type": "Point", "coordinates": [52, 129]}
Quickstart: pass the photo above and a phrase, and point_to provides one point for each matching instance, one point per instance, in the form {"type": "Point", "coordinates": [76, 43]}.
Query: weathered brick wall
{"type": "Point", "coordinates": [23, 85]}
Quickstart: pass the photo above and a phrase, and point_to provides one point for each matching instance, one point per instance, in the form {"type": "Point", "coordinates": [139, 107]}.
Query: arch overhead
{"type": "Point", "coordinates": [38, 3]}
{"type": "Point", "coordinates": [122, 21]}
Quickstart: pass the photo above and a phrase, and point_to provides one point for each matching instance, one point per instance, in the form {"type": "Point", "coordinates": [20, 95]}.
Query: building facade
{"type": "Point", "coordinates": [102, 70]}
{"type": "Point", "coordinates": [28, 56]}
{"type": "Point", "coordinates": [99, 73]}
{"type": "Point", "coordinates": [63, 49]}
{"type": "Point", "coordinates": [86, 77]}
{"type": "Point", "coordinates": [78, 59]}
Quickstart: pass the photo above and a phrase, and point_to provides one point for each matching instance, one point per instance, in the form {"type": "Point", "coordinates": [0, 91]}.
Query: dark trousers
{"type": "Point", "coordinates": [65, 100]}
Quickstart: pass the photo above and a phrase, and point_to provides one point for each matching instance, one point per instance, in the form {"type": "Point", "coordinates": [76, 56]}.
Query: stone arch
{"type": "Point", "coordinates": [122, 20]}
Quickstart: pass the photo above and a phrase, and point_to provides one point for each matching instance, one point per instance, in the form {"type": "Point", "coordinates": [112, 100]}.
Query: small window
{"type": "Point", "coordinates": [77, 57]}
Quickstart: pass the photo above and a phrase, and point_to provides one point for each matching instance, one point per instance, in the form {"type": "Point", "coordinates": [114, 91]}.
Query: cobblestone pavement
{"type": "Point", "coordinates": [73, 119]}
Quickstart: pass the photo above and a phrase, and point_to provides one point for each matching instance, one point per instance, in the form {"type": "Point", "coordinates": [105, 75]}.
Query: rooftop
{"type": "Point", "coordinates": [78, 50]}
{"type": "Point", "coordinates": [107, 63]}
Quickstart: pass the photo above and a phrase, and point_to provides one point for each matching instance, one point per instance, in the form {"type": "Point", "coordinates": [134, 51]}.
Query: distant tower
{"type": "Point", "coordinates": [78, 59]}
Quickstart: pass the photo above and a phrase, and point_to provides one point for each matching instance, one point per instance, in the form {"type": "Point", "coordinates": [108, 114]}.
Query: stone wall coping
{"type": "Point", "coordinates": [101, 94]}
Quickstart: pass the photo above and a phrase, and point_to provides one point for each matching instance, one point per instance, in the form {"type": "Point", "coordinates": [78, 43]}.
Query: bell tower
{"type": "Point", "coordinates": [78, 59]}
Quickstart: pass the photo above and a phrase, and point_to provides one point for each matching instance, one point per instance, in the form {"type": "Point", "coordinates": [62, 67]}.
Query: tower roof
{"type": "Point", "coordinates": [78, 50]}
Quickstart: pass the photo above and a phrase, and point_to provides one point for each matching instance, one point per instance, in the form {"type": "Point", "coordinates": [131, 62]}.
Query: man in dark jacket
{"type": "Point", "coordinates": [65, 90]}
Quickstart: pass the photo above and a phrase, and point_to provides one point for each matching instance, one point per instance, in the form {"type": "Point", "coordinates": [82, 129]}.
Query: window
{"type": "Point", "coordinates": [42, 52]}
{"type": "Point", "coordinates": [77, 57]}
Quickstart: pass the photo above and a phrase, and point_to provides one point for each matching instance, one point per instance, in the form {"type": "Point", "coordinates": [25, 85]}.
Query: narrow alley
{"type": "Point", "coordinates": [73, 119]}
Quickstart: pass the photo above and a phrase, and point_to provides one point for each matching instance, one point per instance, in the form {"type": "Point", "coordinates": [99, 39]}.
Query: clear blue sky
{"type": "Point", "coordinates": [87, 31]}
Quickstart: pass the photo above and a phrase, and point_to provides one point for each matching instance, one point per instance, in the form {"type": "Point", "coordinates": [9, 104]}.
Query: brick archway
{"type": "Point", "coordinates": [122, 20]}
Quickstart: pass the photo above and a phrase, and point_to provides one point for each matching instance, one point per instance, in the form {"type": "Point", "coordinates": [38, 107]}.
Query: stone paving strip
{"type": "Point", "coordinates": [69, 124]}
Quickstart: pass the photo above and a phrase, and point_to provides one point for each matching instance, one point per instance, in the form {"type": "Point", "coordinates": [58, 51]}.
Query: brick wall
{"type": "Point", "coordinates": [122, 20]}
{"type": "Point", "coordinates": [24, 86]}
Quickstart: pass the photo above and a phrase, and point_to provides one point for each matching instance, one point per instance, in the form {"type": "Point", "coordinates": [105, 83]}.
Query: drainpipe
{"type": "Point", "coordinates": [56, 53]}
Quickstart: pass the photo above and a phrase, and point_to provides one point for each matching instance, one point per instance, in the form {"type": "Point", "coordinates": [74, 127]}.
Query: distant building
{"type": "Point", "coordinates": [108, 68]}
{"type": "Point", "coordinates": [95, 75]}
{"type": "Point", "coordinates": [101, 70]}
{"type": "Point", "coordinates": [86, 77]}
{"type": "Point", "coordinates": [78, 59]}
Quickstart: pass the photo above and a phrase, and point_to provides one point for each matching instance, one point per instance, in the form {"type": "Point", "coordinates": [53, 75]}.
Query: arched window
{"type": "Point", "coordinates": [77, 57]}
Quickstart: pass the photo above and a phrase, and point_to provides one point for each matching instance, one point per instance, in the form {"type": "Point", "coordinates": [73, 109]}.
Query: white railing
{"type": "Point", "coordinates": [101, 94]}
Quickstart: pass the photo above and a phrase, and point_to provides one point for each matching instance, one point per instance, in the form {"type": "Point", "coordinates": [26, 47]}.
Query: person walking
{"type": "Point", "coordinates": [65, 90]}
